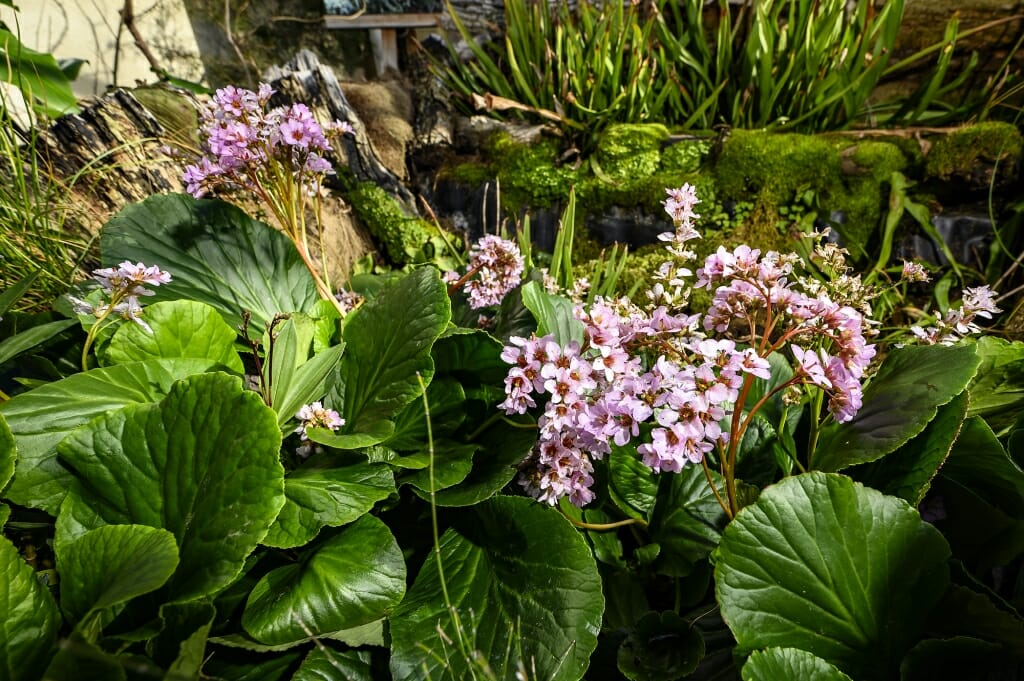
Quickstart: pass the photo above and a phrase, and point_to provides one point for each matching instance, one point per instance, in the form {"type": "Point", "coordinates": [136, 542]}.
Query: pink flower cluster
{"type": "Point", "coordinates": [667, 381]}
{"type": "Point", "coordinates": [758, 295]}
{"type": "Point", "coordinates": [242, 140]}
{"type": "Point", "coordinates": [600, 394]}
{"type": "Point", "coordinates": [498, 265]}
{"type": "Point", "coordinates": [123, 285]}
{"type": "Point", "coordinates": [958, 322]}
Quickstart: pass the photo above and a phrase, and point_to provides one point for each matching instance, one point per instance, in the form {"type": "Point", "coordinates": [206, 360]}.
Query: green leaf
{"type": "Point", "coordinates": [181, 644]}
{"type": "Point", "coordinates": [553, 314]}
{"type": "Point", "coordinates": [774, 664]}
{"type": "Point", "coordinates": [8, 453]}
{"type": "Point", "coordinates": [180, 328]}
{"type": "Point", "coordinates": [216, 254]}
{"type": "Point", "coordinates": [662, 647]}
{"type": "Point", "coordinates": [907, 473]}
{"type": "Point", "coordinates": [29, 618]}
{"type": "Point", "coordinates": [997, 391]}
{"type": "Point", "coordinates": [964, 611]}
{"type": "Point", "coordinates": [353, 578]}
{"type": "Point", "coordinates": [526, 589]}
{"type": "Point", "coordinates": [15, 291]}
{"type": "Point", "coordinates": [40, 418]}
{"type": "Point", "coordinates": [31, 338]}
{"type": "Point", "coordinates": [306, 384]}
{"type": "Point", "coordinates": [832, 567]}
{"type": "Point", "coordinates": [901, 399]}
{"type": "Point", "coordinates": [687, 520]}
{"type": "Point", "coordinates": [447, 412]}
{"type": "Point", "coordinates": [317, 496]}
{"type": "Point", "coordinates": [37, 75]}
{"type": "Point", "coordinates": [276, 668]}
{"type": "Point", "coordinates": [979, 463]}
{"type": "Point", "coordinates": [112, 565]}
{"type": "Point", "coordinates": [202, 463]}
{"type": "Point", "coordinates": [375, 433]}
{"type": "Point", "coordinates": [502, 449]}
{"type": "Point", "coordinates": [77, 659]}
{"type": "Point", "coordinates": [632, 484]}
{"type": "Point", "coordinates": [960, 657]}
{"type": "Point", "coordinates": [452, 463]}
{"type": "Point", "coordinates": [325, 664]}
{"type": "Point", "coordinates": [470, 355]}
{"type": "Point", "coordinates": [388, 343]}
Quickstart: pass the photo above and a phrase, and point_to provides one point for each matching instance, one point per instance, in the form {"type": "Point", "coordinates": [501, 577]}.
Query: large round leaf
{"type": "Point", "coordinates": [326, 664]}
{"type": "Point", "coordinates": [215, 253]}
{"type": "Point", "coordinates": [775, 664]}
{"type": "Point", "coordinates": [687, 520]}
{"type": "Point", "coordinates": [28, 618]}
{"type": "Point", "coordinates": [388, 342]}
{"type": "Point", "coordinates": [827, 565]}
{"type": "Point", "coordinates": [202, 463]}
{"type": "Point", "coordinates": [40, 418]}
{"type": "Point", "coordinates": [901, 399]}
{"type": "Point", "coordinates": [526, 589]}
{"type": "Point", "coordinates": [113, 564]}
{"type": "Point", "coordinates": [353, 578]}
{"type": "Point", "coordinates": [316, 496]}
{"type": "Point", "coordinates": [502, 448]}
{"type": "Point", "coordinates": [8, 453]}
{"type": "Point", "coordinates": [179, 328]}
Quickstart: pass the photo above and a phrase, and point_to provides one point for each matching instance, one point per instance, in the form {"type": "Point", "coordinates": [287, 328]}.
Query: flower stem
{"type": "Point", "coordinates": [604, 527]}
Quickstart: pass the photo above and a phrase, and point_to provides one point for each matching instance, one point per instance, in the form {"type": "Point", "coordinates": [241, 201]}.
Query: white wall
{"type": "Point", "coordinates": [91, 30]}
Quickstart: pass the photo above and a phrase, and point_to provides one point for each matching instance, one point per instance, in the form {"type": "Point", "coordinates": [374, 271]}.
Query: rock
{"type": "Point", "coordinates": [386, 110]}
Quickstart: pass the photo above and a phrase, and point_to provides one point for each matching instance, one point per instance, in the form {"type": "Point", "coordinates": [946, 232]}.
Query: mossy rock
{"type": "Point", "coordinates": [405, 240]}
{"type": "Point", "coordinates": [685, 156]}
{"type": "Point", "coordinates": [971, 153]}
{"type": "Point", "coordinates": [875, 158]}
{"type": "Point", "coordinates": [776, 167]}
{"type": "Point", "coordinates": [530, 174]}
{"type": "Point", "coordinates": [631, 152]}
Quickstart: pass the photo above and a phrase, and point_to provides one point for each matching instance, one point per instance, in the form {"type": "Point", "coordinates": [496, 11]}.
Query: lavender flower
{"type": "Point", "coordinates": [499, 268]}
{"type": "Point", "coordinates": [315, 415]}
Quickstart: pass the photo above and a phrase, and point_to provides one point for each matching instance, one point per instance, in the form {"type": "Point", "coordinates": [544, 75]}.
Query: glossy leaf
{"type": "Point", "coordinates": [774, 664]}
{"type": "Point", "coordinates": [554, 314]}
{"type": "Point", "coordinates": [112, 565]}
{"type": "Point", "coordinates": [295, 378]}
{"type": "Point", "coordinates": [180, 328]}
{"type": "Point", "coordinates": [687, 520]}
{"type": "Point", "coordinates": [29, 618]}
{"type": "Point", "coordinates": [388, 343]}
{"type": "Point", "coordinates": [216, 255]}
{"type": "Point", "coordinates": [202, 463]}
{"type": "Point", "coordinates": [353, 578]}
{"type": "Point", "coordinates": [447, 412]}
{"type": "Point", "coordinates": [502, 448]}
{"type": "Point", "coordinates": [907, 473]}
{"type": "Point", "coordinates": [452, 463]}
{"type": "Point", "coordinates": [661, 647]}
{"type": "Point", "coordinates": [326, 664]}
{"type": "Point", "coordinates": [979, 463]}
{"type": "Point", "coordinates": [832, 567]}
{"type": "Point", "coordinates": [8, 453]}
{"type": "Point", "coordinates": [901, 399]}
{"type": "Point", "coordinates": [526, 589]}
{"type": "Point", "coordinates": [181, 644]}
{"type": "Point", "coordinates": [317, 496]}
{"type": "Point", "coordinates": [632, 484]}
{"type": "Point", "coordinates": [997, 391]}
{"type": "Point", "coordinates": [31, 338]}
{"type": "Point", "coordinates": [42, 417]}
{"type": "Point", "coordinates": [374, 434]}
{"type": "Point", "coordinates": [470, 355]}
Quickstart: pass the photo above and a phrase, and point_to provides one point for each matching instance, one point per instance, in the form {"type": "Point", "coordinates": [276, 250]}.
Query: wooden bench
{"type": "Point", "coordinates": [383, 30]}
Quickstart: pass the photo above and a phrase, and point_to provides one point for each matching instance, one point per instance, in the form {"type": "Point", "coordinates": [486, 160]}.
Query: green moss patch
{"type": "Point", "coordinates": [960, 152]}
{"type": "Point", "coordinates": [405, 240]}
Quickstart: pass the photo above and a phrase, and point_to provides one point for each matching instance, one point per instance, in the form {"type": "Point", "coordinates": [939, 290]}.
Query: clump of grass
{"type": "Point", "coordinates": [37, 232]}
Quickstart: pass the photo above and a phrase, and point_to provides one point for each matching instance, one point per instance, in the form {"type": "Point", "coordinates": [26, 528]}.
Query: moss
{"type": "Point", "coordinates": [959, 152]}
{"type": "Point", "coordinates": [685, 156]}
{"type": "Point", "coordinates": [472, 173]}
{"type": "Point", "coordinates": [630, 153]}
{"type": "Point", "coordinates": [529, 174]}
{"type": "Point", "coordinates": [775, 167]}
{"type": "Point", "coordinates": [880, 159]}
{"type": "Point", "coordinates": [405, 240]}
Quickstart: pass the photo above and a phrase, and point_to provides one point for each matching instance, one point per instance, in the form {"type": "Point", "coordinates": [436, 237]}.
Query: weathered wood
{"type": "Point", "coordinates": [419, 20]}
{"type": "Point", "coordinates": [305, 79]}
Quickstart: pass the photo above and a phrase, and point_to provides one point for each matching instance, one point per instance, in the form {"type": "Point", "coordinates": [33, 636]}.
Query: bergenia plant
{"type": "Point", "coordinates": [677, 385]}
{"type": "Point", "coordinates": [275, 154]}
{"type": "Point", "coordinates": [120, 289]}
